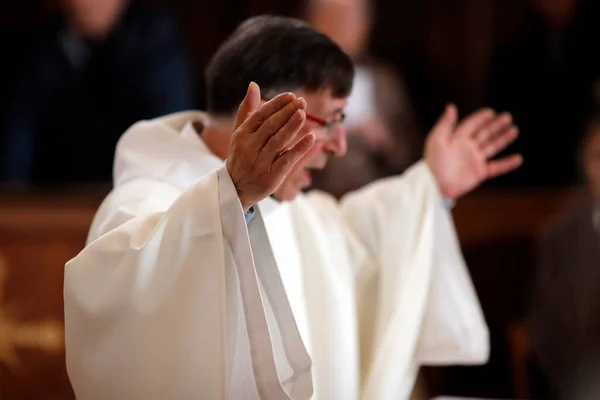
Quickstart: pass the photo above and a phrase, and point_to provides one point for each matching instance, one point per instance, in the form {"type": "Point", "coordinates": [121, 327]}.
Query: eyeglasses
{"type": "Point", "coordinates": [327, 126]}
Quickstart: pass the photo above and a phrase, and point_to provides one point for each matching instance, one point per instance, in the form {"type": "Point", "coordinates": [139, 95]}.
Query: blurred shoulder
{"type": "Point", "coordinates": [382, 71]}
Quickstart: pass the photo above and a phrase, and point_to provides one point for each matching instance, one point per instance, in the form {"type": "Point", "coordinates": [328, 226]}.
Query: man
{"type": "Point", "coordinates": [565, 315]}
{"type": "Point", "coordinates": [177, 296]}
{"type": "Point", "coordinates": [100, 67]}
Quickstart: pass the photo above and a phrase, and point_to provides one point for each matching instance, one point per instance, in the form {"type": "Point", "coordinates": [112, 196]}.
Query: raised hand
{"type": "Point", "coordinates": [460, 157]}
{"type": "Point", "coordinates": [266, 144]}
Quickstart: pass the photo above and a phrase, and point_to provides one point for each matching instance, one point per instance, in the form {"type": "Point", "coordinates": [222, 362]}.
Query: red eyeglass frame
{"type": "Point", "coordinates": [318, 120]}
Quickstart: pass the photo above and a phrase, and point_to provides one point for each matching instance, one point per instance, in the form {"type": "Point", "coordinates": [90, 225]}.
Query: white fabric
{"type": "Point", "coordinates": [376, 284]}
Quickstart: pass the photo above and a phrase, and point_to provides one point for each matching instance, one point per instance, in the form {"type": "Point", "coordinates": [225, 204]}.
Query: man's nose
{"type": "Point", "coordinates": [336, 144]}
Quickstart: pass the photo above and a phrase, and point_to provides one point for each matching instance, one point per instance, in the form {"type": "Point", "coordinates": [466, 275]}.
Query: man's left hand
{"type": "Point", "coordinates": [460, 156]}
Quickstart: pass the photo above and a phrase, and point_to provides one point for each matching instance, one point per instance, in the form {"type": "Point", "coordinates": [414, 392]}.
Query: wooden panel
{"type": "Point", "coordinates": [491, 216]}
{"type": "Point", "coordinates": [39, 232]}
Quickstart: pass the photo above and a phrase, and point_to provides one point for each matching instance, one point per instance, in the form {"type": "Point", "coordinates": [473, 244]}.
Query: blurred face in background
{"type": "Point", "coordinates": [93, 19]}
{"type": "Point", "coordinates": [558, 13]}
{"type": "Point", "coordinates": [591, 162]}
{"type": "Point", "coordinates": [346, 22]}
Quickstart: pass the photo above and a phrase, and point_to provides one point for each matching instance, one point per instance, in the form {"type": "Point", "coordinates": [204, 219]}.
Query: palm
{"type": "Point", "coordinates": [459, 156]}
{"type": "Point", "coordinates": [462, 159]}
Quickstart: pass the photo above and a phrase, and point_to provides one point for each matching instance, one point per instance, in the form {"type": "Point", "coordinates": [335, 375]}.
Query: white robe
{"type": "Point", "coordinates": [174, 297]}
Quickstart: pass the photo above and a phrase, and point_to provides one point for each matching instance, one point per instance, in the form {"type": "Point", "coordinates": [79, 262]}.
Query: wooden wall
{"type": "Point", "coordinates": [39, 232]}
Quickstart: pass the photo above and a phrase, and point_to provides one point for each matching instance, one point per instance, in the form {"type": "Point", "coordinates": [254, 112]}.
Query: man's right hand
{"type": "Point", "coordinates": [266, 144]}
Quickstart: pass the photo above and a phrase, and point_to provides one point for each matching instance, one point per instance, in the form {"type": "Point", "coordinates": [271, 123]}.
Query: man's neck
{"type": "Point", "coordinates": [216, 134]}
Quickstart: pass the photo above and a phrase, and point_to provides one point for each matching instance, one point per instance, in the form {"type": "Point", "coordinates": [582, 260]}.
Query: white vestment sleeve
{"type": "Point", "coordinates": [454, 330]}
{"type": "Point", "coordinates": [416, 302]}
{"type": "Point", "coordinates": [145, 302]}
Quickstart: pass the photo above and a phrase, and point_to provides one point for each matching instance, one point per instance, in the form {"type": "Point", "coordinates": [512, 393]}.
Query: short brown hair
{"type": "Point", "coordinates": [279, 54]}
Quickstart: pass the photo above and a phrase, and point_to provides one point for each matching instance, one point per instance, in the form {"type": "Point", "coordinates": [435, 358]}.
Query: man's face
{"type": "Point", "coordinates": [592, 163]}
{"type": "Point", "coordinates": [329, 142]}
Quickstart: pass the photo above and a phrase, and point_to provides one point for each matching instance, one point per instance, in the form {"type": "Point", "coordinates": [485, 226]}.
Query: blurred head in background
{"type": "Point", "coordinates": [557, 13]}
{"type": "Point", "coordinates": [93, 19]}
{"type": "Point", "coordinates": [346, 22]}
{"type": "Point", "coordinates": [590, 156]}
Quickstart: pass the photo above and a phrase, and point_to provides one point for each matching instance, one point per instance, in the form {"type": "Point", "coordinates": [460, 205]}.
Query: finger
{"type": "Point", "coordinates": [281, 128]}
{"type": "Point", "coordinates": [493, 128]}
{"type": "Point", "coordinates": [474, 122]}
{"type": "Point", "coordinates": [249, 105]}
{"type": "Point", "coordinates": [265, 111]}
{"type": "Point", "coordinates": [447, 122]}
{"type": "Point", "coordinates": [500, 142]}
{"type": "Point", "coordinates": [504, 165]}
{"type": "Point", "coordinates": [298, 137]}
{"type": "Point", "coordinates": [286, 161]}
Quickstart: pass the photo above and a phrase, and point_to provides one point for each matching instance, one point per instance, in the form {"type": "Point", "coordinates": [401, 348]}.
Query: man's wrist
{"type": "Point", "coordinates": [443, 187]}
{"type": "Point", "coordinates": [244, 201]}
{"type": "Point", "coordinates": [246, 205]}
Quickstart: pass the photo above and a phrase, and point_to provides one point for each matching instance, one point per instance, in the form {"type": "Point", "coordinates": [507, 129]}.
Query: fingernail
{"type": "Point", "coordinates": [299, 114]}
{"type": "Point", "coordinates": [301, 102]}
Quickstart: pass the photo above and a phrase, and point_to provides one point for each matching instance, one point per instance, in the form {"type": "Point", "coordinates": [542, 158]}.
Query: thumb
{"type": "Point", "coordinates": [447, 123]}
{"type": "Point", "coordinates": [249, 105]}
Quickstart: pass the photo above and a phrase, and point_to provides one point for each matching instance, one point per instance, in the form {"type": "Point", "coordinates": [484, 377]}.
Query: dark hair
{"type": "Point", "coordinates": [279, 54]}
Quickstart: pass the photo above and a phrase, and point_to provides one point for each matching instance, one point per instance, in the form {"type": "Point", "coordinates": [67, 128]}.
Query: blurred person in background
{"type": "Point", "coordinates": [565, 316]}
{"type": "Point", "coordinates": [382, 132]}
{"type": "Point", "coordinates": [95, 70]}
{"type": "Point", "coordinates": [545, 76]}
